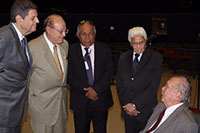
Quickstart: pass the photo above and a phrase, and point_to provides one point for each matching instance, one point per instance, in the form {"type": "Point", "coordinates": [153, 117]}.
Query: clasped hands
{"type": "Point", "coordinates": [130, 109]}
{"type": "Point", "coordinates": [91, 94]}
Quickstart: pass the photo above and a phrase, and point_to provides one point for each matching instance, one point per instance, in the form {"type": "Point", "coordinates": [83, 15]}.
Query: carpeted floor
{"type": "Point", "coordinates": [115, 122]}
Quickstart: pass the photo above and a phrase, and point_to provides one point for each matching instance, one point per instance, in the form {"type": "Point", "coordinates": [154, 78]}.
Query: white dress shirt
{"type": "Point", "coordinates": [139, 57]}
{"type": "Point", "coordinates": [21, 37]}
{"type": "Point", "coordinates": [52, 50]}
{"type": "Point", "coordinates": [168, 112]}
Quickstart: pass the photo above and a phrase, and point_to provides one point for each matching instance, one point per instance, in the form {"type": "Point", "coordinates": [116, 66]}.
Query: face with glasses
{"type": "Point", "coordinates": [58, 31]}
{"type": "Point", "coordinates": [86, 35]}
{"type": "Point", "coordinates": [138, 43]}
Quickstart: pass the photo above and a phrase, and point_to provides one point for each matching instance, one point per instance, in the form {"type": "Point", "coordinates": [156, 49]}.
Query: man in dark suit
{"type": "Point", "coordinates": [177, 117]}
{"type": "Point", "coordinates": [90, 95]}
{"type": "Point", "coordinates": [15, 61]}
{"type": "Point", "coordinates": [138, 79]}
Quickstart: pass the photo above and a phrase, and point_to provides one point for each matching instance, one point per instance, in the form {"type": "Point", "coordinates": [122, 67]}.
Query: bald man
{"type": "Point", "coordinates": [48, 92]}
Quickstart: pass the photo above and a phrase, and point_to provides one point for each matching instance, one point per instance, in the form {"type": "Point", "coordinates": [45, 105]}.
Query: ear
{"type": "Point", "coordinates": [19, 19]}
{"type": "Point", "coordinates": [178, 94]}
{"type": "Point", "coordinates": [77, 34]}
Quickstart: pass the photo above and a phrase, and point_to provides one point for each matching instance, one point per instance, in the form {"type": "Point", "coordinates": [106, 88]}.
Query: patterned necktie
{"type": "Point", "coordinates": [135, 62]}
{"type": "Point", "coordinates": [88, 68]}
{"type": "Point", "coordinates": [57, 61]}
{"type": "Point", "coordinates": [157, 122]}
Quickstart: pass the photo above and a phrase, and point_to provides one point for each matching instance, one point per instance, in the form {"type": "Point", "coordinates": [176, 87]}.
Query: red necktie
{"type": "Point", "coordinates": [157, 122]}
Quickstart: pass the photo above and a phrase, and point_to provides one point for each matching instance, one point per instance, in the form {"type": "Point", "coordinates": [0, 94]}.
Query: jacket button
{"type": "Point", "coordinates": [132, 78]}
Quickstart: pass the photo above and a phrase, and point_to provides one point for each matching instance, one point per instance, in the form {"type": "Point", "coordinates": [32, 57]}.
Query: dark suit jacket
{"type": "Point", "coordinates": [140, 87]}
{"type": "Point", "coordinates": [13, 81]}
{"type": "Point", "coordinates": [77, 78]}
{"type": "Point", "coordinates": [180, 121]}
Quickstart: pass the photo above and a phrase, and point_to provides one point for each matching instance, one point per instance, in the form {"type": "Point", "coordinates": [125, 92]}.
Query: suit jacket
{"type": "Point", "coordinates": [180, 121]}
{"type": "Point", "coordinates": [77, 78]}
{"type": "Point", "coordinates": [14, 78]}
{"type": "Point", "coordinates": [48, 92]}
{"type": "Point", "coordinates": [140, 87]}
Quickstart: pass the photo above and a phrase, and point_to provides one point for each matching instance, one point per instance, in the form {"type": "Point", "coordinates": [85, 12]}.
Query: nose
{"type": "Point", "coordinates": [37, 20]}
{"type": "Point", "coordinates": [138, 45]}
{"type": "Point", "coordinates": [64, 34]}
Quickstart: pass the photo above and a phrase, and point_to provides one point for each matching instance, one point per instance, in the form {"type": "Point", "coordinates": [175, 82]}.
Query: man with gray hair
{"type": "Point", "coordinates": [138, 79]}
{"type": "Point", "coordinates": [174, 103]}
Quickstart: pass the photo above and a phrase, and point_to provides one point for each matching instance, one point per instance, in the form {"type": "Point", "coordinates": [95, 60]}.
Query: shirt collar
{"type": "Point", "coordinates": [18, 32]}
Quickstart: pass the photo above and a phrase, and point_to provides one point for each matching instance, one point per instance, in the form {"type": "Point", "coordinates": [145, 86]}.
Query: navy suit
{"type": "Point", "coordinates": [77, 79]}
{"type": "Point", "coordinates": [139, 87]}
{"type": "Point", "coordinates": [14, 78]}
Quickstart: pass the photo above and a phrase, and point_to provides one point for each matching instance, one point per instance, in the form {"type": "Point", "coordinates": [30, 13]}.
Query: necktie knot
{"type": "Point", "coordinates": [136, 57]}
{"type": "Point", "coordinates": [87, 52]}
{"type": "Point", "coordinates": [23, 44]}
{"type": "Point", "coordinates": [135, 62]}
{"type": "Point", "coordinates": [55, 48]}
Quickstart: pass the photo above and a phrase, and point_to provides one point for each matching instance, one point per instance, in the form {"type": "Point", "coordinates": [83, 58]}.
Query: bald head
{"type": "Point", "coordinates": [51, 20]}
{"type": "Point", "coordinates": [55, 28]}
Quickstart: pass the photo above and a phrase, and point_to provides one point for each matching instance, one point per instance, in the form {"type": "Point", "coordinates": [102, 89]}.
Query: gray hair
{"type": "Point", "coordinates": [185, 88]}
{"type": "Point", "coordinates": [136, 31]}
{"type": "Point", "coordinates": [83, 22]}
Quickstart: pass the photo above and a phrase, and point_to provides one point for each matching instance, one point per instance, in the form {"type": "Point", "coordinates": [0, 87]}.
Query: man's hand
{"type": "Point", "coordinates": [130, 109]}
{"type": "Point", "coordinates": [91, 94]}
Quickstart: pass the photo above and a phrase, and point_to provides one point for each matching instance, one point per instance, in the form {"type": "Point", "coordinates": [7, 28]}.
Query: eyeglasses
{"type": "Point", "coordinates": [138, 43]}
{"type": "Point", "coordinates": [60, 31]}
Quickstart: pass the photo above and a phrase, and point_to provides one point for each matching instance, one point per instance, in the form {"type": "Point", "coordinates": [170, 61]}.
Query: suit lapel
{"type": "Point", "coordinates": [63, 55]}
{"type": "Point", "coordinates": [80, 60]}
{"type": "Point", "coordinates": [96, 59]}
{"type": "Point", "coordinates": [129, 62]}
{"type": "Point", "coordinates": [48, 55]}
{"type": "Point", "coordinates": [155, 114]}
{"type": "Point", "coordinates": [18, 45]}
{"type": "Point", "coordinates": [143, 60]}
{"type": "Point", "coordinates": [171, 118]}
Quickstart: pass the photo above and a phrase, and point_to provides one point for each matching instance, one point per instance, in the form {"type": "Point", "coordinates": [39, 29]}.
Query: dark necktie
{"type": "Point", "coordinates": [88, 68]}
{"type": "Point", "coordinates": [157, 122]}
{"type": "Point", "coordinates": [24, 45]}
{"type": "Point", "coordinates": [135, 62]}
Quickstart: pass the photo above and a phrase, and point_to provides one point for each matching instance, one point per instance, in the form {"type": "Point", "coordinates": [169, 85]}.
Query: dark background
{"type": "Point", "coordinates": [112, 6]}
{"type": "Point", "coordinates": [113, 19]}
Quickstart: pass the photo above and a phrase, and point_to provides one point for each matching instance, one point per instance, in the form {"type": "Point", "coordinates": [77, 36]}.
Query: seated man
{"type": "Point", "coordinates": [177, 117]}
